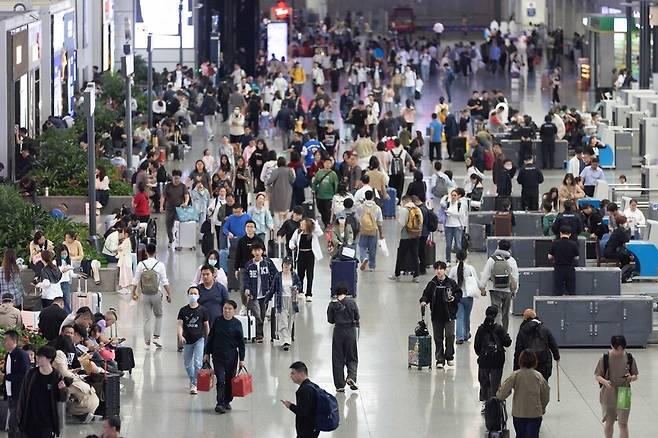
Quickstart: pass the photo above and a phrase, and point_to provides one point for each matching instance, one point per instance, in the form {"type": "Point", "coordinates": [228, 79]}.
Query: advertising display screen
{"type": "Point", "coordinates": [160, 17]}
{"type": "Point", "coordinates": [64, 63]}
{"type": "Point", "coordinates": [277, 40]}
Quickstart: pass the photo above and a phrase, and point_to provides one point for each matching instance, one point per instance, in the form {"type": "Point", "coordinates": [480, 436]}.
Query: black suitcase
{"type": "Point", "coordinates": [274, 249]}
{"type": "Point", "coordinates": [233, 283]}
{"type": "Point", "coordinates": [344, 271]}
{"type": "Point", "coordinates": [458, 148]}
{"type": "Point", "coordinates": [430, 253]}
{"type": "Point", "coordinates": [309, 210]}
{"type": "Point", "coordinates": [124, 358]}
{"type": "Point", "coordinates": [110, 402]}
{"type": "Point", "coordinates": [273, 333]}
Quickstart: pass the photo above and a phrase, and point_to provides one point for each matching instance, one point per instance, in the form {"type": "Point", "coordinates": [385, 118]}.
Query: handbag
{"type": "Point", "coordinates": [242, 383]}
{"type": "Point", "coordinates": [466, 240]}
{"type": "Point", "coordinates": [187, 214]}
{"type": "Point", "coordinates": [204, 377]}
{"type": "Point", "coordinates": [471, 287]}
{"type": "Point", "coordinates": [624, 397]}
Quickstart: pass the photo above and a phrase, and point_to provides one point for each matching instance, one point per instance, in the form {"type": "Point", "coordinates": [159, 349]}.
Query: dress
{"type": "Point", "coordinates": [280, 184]}
{"type": "Point", "coordinates": [125, 264]}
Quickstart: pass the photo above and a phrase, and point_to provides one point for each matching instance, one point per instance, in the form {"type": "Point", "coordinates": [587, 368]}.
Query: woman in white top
{"type": "Point", "coordinates": [470, 170]}
{"type": "Point", "coordinates": [64, 265]}
{"type": "Point", "coordinates": [388, 97]}
{"type": "Point", "coordinates": [212, 259]}
{"type": "Point", "coordinates": [305, 244]}
{"type": "Point", "coordinates": [339, 198]}
{"type": "Point", "coordinates": [125, 262]}
{"type": "Point", "coordinates": [102, 186]}
{"type": "Point", "coordinates": [208, 161]}
{"type": "Point", "coordinates": [213, 211]}
{"type": "Point", "coordinates": [286, 287]}
{"type": "Point", "coordinates": [49, 279]}
{"type": "Point", "coordinates": [635, 218]}
{"type": "Point", "coordinates": [455, 222]}
{"type": "Point", "coordinates": [467, 279]}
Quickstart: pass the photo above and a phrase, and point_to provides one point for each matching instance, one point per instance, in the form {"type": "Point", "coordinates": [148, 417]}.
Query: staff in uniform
{"type": "Point", "coordinates": [564, 253]}
{"type": "Point", "coordinates": [344, 314]}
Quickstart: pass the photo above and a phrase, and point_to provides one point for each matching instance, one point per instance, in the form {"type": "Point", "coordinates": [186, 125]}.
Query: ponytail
{"type": "Point", "coordinates": [460, 273]}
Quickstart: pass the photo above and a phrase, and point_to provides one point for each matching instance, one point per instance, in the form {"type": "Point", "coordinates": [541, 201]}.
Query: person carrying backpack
{"type": "Point", "coordinates": [150, 276]}
{"type": "Point", "coordinates": [399, 159]}
{"type": "Point", "coordinates": [502, 271]}
{"type": "Point", "coordinates": [490, 342]}
{"type": "Point", "coordinates": [315, 410]}
{"type": "Point", "coordinates": [411, 219]}
{"type": "Point", "coordinates": [615, 371]}
{"type": "Point", "coordinates": [535, 337]}
{"type": "Point", "coordinates": [370, 231]}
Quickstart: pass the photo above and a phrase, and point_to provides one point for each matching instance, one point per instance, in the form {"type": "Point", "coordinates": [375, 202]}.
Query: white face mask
{"type": "Point", "coordinates": [212, 262]}
{"type": "Point", "coordinates": [508, 166]}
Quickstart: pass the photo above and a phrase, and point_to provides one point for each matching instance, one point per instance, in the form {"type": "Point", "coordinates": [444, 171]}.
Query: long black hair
{"type": "Point", "coordinates": [461, 257]}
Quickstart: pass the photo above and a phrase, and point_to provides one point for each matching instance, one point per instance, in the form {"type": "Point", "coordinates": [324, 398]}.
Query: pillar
{"type": "Point", "coordinates": [645, 45]}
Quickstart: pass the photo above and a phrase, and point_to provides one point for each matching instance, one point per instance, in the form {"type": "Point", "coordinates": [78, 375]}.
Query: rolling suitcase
{"type": "Point", "coordinates": [124, 358]}
{"type": "Point", "coordinates": [248, 322]}
{"type": "Point", "coordinates": [84, 298]}
{"type": "Point", "coordinates": [495, 419]}
{"type": "Point", "coordinates": [309, 210]}
{"type": "Point", "coordinates": [273, 332]}
{"type": "Point", "coordinates": [390, 205]}
{"type": "Point", "coordinates": [420, 352]}
{"type": "Point", "coordinates": [344, 271]}
{"type": "Point", "coordinates": [458, 148]}
{"type": "Point", "coordinates": [430, 252]}
{"type": "Point", "coordinates": [502, 224]}
{"type": "Point", "coordinates": [110, 403]}
{"type": "Point", "coordinates": [186, 235]}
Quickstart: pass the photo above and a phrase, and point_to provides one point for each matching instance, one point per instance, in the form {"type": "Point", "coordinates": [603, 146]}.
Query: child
{"type": "Point", "coordinates": [265, 121]}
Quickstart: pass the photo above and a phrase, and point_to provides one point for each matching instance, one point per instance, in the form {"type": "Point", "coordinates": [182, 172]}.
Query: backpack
{"type": "Point", "coordinates": [397, 165]}
{"type": "Point", "coordinates": [432, 221]}
{"type": "Point", "coordinates": [327, 416]}
{"type": "Point", "coordinates": [440, 189]}
{"type": "Point", "coordinates": [368, 223]}
{"type": "Point", "coordinates": [491, 347]}
{"type": "Point", "coordinates": [350, 219]}
{"type": "Point", "coordinates": [606, 364]}
{"type": "Point", "coordinates": [149, 281]}
{"type": "Point", "coordinates": [151, 229]}
{"type": "Point", "coordinates": [500, 273]}
{"type": "Point", "coordinates": [495, 415]}
{"type": "Point", "coordinates": [538, 345]}
{"type": "Point", "coordinates": [414, 224]}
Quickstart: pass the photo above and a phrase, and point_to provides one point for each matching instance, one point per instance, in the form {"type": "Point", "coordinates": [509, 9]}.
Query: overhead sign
{"type": "Point", "coordinates": [281, 12]}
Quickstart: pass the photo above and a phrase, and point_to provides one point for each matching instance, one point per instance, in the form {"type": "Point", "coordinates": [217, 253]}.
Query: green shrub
{"type": "Point", "coordinates": [19, 220]}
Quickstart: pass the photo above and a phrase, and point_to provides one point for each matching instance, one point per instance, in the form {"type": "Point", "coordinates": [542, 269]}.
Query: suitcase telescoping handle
{"type": "Point", "coordinates": [422, 312]}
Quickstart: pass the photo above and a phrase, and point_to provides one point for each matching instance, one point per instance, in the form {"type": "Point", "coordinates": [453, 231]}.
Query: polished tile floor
{"type": "Point", "coordinates": [392, 401]}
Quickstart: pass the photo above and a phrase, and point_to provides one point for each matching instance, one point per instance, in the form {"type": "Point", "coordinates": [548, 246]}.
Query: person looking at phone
{"type": "Point", "coordinates": [443, 295]}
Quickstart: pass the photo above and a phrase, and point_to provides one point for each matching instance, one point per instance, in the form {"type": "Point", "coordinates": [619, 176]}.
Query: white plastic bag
{"type": "Point", "coordinates": [383, 247]}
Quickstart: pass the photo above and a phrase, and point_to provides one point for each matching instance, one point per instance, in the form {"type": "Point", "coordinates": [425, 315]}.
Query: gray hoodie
{"type": "Point", "coordinates": [485, 277]}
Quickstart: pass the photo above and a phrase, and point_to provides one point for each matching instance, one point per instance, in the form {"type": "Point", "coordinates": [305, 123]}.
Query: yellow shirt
{"type": "Point", "coordinates": [298, 75]}
{"type": "Point", "coordinates": [75, 250]}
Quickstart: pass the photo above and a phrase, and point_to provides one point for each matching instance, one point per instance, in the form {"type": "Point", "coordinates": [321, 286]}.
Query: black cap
{"type": "Point", "coordinates": [7, 296]}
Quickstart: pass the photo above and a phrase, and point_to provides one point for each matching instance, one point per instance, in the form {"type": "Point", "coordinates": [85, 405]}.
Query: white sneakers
{"type": "Point", "coordinates": [451, 363]}
{"type": "Point", "coordinates": [193, 390]}
{"type": "Point", "coordinates": [158, 342]}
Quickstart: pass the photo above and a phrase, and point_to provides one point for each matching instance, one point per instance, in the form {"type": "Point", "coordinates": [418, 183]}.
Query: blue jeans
{"type": "Point", "coordinates": [66, 292]}
{"type": "Point", "coordinates": [453, 233]}
{"type": "Point", "coordinates": [464, 318]}
{"type": "Point", "coordinates": [527, 427]}
{"type": "Point", "coordinates": [193, 358]}
{"type": "Point", "coordinates": [368, 249]}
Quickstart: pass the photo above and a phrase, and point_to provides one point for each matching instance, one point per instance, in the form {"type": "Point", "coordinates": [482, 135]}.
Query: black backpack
{"type": "Point", "coordinates": [432, 221]}
{"type": "Point", "coordinates": [537, 345]}
{"type": "Point", "coordinates": [495, 415]}
{"type": "Point", "coordinates": [606, 364]}
{"type": "Point", "coordinates": [491, 345]}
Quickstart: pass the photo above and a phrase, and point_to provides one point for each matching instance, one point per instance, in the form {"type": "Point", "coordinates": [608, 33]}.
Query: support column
{"type": "Point", "coordinates": [645, 45]}
{"type": "Point", "coordinates": [629, 33]}
{"type": "Point", "coordinates": [654, 59]}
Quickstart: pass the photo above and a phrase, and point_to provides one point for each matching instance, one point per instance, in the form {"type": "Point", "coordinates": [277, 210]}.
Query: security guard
{"type": "Point", "coordinates": [547, 133]}
{"type": "Point", "coordinates": [530, 176]}
{"type": "Point", "coordinates": [571, 218]}
{"type": "Point", "coordinates": [564, 254]}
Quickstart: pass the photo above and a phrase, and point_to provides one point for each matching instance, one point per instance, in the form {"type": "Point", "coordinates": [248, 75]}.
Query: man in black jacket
{"type": "Point", "coordinates": [51, 319]}
{"type": "Point", "coordinates": [536, 337]}
{"type": "Point", "coordinates": [442, 294]}
{"type": "Point", "coordinates": [289, 226]}
{"type": "Point", "coordinates": [530, 176]}
{"type": "Point", "coordinates": [226, 344]}
{"type": "Point", "coordinates": [306, 402]}
{"type": "Point", "coordinates": [344, 314]}
{"type": "Point", "coordinates": [243, 254]}
{"type": "Point", "coordinates": [489, 345]}
{"type": "Point", "coordinates": [569, 217]}
{"type": "Point", "coordinates": [593, 221]}
{"type": "Point", "coordinates": [13, 374]}
{"type": "Point", "coordinates": [547, 133]}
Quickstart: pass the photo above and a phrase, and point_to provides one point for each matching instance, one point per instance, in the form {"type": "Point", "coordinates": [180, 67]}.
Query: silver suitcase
{"type": "Point", "coordinates": [186, 235]}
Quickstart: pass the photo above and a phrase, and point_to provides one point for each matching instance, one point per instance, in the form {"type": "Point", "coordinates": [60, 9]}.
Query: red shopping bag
{"type": "Point", "coordinates": [242, 384]}
{"type": "Point", "coordinates": [204, 378]}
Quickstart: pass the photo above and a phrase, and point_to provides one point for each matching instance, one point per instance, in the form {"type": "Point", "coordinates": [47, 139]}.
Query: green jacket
{"type": "Point", "coordinates": [325, 184]}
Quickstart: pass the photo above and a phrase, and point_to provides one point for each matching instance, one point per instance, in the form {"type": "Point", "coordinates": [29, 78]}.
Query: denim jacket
{"type": "Point", "coordinates": [276, 290]}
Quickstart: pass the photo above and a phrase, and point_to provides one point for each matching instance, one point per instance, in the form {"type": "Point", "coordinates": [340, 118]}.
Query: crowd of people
{"type": "Point", "coordinates": [286, 186]}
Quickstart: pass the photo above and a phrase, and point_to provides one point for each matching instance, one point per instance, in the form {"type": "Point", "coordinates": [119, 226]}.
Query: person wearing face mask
{"type": "Point", "coordinates": [504, 178]}
{"type": "Point", "coordinates": [212, 259]}
{"type": "Point", "coordinates": [64, 264]}
{"type": "Point", "coordinates": [193, 327]}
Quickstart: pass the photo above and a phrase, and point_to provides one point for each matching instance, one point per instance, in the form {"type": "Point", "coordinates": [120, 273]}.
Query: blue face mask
{"type": "Point", "coordinates": [193, 298]}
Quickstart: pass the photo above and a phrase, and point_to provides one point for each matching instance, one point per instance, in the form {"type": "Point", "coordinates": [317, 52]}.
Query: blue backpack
{"type": "Point", "coordinates": [326, 414]}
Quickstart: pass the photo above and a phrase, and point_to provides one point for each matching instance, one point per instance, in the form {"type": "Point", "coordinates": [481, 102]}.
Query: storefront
{"type": "Point", "coordinates": [20, 51]}
{"type": "Point", "coordinates": [64, 63]}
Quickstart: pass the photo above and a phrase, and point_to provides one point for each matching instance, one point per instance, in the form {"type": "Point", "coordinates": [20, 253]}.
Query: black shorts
{"type": "Point", "coordinates": [235, 138]}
